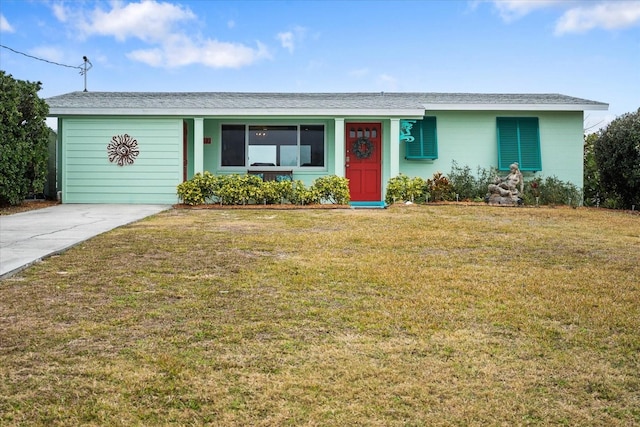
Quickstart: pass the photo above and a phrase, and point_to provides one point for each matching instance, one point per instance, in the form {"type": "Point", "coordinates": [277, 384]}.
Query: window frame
{"type": "Point", "coordinates": [528, 144]}
{"type": "Point", "coordinates": [299, 129]}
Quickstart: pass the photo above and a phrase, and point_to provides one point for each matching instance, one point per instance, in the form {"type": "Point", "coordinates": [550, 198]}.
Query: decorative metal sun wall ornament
{"type": "Point", "coordinates": [123, 150]}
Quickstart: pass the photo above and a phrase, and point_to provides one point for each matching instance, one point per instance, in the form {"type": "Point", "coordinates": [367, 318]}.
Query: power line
{"type": "Point", "coordinates": [43, 60]}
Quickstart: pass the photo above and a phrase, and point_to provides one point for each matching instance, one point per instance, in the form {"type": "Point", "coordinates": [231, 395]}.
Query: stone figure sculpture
{"type": "Point", "coordinates": [507, 190]}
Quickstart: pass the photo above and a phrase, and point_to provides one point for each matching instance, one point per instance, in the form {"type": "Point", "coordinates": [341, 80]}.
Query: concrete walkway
{"type": "Point", "coordinates": [28, 237]}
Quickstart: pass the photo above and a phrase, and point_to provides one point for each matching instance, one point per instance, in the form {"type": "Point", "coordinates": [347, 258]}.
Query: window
{"type": "Point", "coordinates": [273, 145]}
{"type": "Point", "coordinates": [420, 138]}
{"type": "Point", "coordinates": [519, 141]}
{"type": "Point", "coordinates": [312, 145]}
{"type": "Point", "coordinates": [233, 145]}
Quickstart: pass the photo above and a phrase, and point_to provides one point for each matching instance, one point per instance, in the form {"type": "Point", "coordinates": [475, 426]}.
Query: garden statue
{"type": "Point", "coordinates": [507, 190]}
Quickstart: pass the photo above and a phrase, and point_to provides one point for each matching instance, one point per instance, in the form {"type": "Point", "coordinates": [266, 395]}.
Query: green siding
{"type": "Point", "coordinates": [466, 137]}
{"type": "Point", "coordinates": [469, 138]}
{"type": "Point", "coordinates": [89, 177]}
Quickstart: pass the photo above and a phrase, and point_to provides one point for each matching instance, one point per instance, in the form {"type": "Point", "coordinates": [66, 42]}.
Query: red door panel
{"type": "Point", "coordinates": [363, 143]}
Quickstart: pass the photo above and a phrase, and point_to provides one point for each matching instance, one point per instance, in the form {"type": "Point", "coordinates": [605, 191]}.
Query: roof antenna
{"type": "Point", "coordinates": [85, 68]}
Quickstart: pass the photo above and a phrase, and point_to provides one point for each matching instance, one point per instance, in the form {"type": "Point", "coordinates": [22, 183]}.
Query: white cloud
{"type": "Point", "coordinates": [286, 40]}
{"type": "Point", "coordinates": [388, 82]}
{"type": "Point", "coordinates": [610, 16]}
{"type": "Point", "coordinates": [290, 39]}
{"type": "Point", "coordinates": [153, 57]}
{"type": "Point", "coordinates": [148, 20]}
{"type": "Point", "coordinates": [578, 15]}
{"type": "Point", "coordinates": [359, 73]}
{"type": "Point", "coordinates": [511, 10]}
{"type": "Point", "coordinates": [180, 50]}
{"type": "Point", "coordinates": [5, 26]}
{"type": "Point", "coordinates": [50, 53]}
{"type": "Point", "coordinates": [162, 26]}
{"type": "Point", "coordinates": [60, 12]}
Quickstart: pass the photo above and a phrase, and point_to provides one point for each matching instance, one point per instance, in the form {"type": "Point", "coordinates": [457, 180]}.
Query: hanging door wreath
{"type": "Point", "coordinates": [363, 148]}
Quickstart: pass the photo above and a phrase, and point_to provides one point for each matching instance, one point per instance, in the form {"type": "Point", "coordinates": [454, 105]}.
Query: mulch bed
{"type": "Point", "coordinates": [253, 206]}
{"type": "Point", "coordinates": [27, 205]}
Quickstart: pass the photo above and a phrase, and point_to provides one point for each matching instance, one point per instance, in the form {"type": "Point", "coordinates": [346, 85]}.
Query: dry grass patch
{"type": "Point", "coordinates": [420, 315]}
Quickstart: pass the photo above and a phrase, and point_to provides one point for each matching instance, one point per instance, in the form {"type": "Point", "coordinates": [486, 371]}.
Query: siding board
{"type": "Point", "coordinates": [91, 178]}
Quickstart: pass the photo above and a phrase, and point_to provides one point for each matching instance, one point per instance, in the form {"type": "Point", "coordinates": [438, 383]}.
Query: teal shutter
{"type": "Point", "coordinates": [425, 142]}
{"type": "Point", "coordinates": [429, 138]}
{"type": "Point", "coordinates": [519, 141]}
{"type": "Point", "coordinates": [529, 144]}
{"type": "Point", "coordinates": [507, 142]}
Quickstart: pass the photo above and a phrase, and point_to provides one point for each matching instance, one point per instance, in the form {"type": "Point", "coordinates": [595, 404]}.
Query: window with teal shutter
{"type": "Point", "coordinates": [519, 141]}
{"type": "Point", "coordinates": [420, 138]}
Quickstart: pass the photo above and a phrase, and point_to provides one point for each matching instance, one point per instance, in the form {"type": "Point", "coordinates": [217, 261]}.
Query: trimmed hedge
{"type": "Point", "coordinates": [236, 189]}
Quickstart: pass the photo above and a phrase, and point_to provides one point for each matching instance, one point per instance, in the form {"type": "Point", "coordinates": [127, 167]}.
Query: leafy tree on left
{"type": "Point", "coordinates": [24, 136]}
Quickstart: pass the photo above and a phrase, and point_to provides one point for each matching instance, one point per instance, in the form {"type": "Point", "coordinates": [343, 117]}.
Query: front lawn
{"type": "Point", "coordinates": [413, 315]}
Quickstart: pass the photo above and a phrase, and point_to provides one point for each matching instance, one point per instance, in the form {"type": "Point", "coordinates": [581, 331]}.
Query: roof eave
{"type": "Point", "coordinates": [246, 112]}
{"type": "Point", "coordinates": [515, 107]}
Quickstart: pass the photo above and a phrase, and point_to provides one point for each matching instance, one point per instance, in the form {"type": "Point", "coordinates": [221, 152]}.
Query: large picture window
{"type": "Point", "coordinates": [519, 141]}
{"type": "Point", "coordinates": [273, 145]}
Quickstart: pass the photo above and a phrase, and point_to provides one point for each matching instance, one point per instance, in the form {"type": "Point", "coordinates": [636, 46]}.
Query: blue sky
{"type": "Point", "coordinates": [588, 49]}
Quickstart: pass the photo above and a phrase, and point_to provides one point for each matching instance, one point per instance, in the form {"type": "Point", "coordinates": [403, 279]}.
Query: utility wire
{"type": "Point", "coordinates": [41, 59]}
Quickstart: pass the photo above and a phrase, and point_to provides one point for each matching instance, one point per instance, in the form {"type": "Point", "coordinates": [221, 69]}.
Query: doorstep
{"type": "Point", "coordinates": [368, 205]}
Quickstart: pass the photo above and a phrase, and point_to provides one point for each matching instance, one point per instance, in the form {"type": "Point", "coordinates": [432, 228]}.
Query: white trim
{"type": "Point", "coordinates": [231, 113]}
{"type": "Point", "coordinates": [394, 148]}
{"type": "Point", "coordinates": [198, 145]}
{"type": "Point", "coordinates": [339, 147]}
{"type": "Point", "coordinates": [515, 107]}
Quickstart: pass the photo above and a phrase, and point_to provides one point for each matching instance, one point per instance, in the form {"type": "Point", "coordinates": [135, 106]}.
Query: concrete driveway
{"type": "Point", "coordinates": [28, 237]}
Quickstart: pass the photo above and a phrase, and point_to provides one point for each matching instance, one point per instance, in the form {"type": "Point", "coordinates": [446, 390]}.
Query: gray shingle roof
{"type": "Point", "coordinates": [92, 102]}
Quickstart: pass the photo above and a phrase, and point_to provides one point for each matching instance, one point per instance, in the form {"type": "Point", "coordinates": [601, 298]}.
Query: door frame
{"type": "Point", "coordinates": [379, 155]}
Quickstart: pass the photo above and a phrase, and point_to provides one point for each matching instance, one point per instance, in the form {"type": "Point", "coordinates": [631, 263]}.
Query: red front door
{"type": "Point", "coordinates": [363, 143]}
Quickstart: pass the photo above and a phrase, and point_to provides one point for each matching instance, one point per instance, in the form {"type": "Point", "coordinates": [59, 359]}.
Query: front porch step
{"type": "Point", "coordinates": [368, 205]}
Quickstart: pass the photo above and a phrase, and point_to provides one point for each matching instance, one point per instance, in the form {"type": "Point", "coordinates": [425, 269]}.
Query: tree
{"type": "Point", "coordinates": [592, 190]}
{"type": "Point", "coordinates": [24, 137]}
{"type": "Point", "coordinates": [617, 154]}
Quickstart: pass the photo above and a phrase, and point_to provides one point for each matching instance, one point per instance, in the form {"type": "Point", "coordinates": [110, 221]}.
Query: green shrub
{"type": "Point", "coordinates": [301, 195]}
{"type": "Point", "coordinates": [190, 193]}
{"type": "Point", "coordinates": [273, 192]}
{"type": "Point", "coordinates": [551, 191]}
{"type": "Point", "coordinates": [402, 188]}
{"type": "Point", "coordinates": [24, 140]}
{"type": "Point", "coordinates": [332, 189]}
{"type": "Point", "coordinates": [245, 189]}
{"type": "Point", "coordinates": [470, 187]}
{"type": "Point", "coordinates": [238, 189]}
{"type": "Point", "coordinates": [617, 156]}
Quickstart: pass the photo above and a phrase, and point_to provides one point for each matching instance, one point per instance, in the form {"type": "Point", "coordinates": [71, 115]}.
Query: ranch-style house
{"type": "Point", "coordinates": [135, 147]}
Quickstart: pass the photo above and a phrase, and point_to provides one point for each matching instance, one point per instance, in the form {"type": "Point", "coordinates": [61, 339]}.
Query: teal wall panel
{"type": "Point", "coordinates": [89, 176]}
{"type": "Point", "coordinates": [470, 139]}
